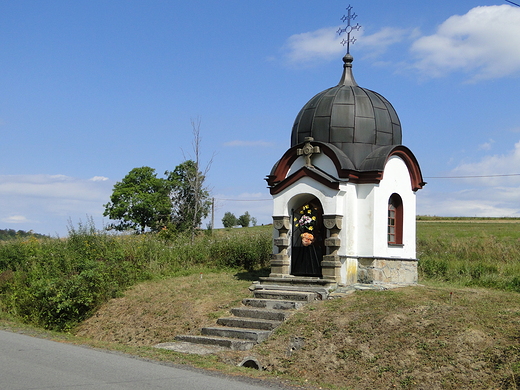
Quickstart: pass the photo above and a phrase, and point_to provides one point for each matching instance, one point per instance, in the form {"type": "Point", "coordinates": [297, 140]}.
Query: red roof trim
{"type": "Point", "coordinates": [411, 163]}
{"type": "Point", "coordinates": [279, 180]}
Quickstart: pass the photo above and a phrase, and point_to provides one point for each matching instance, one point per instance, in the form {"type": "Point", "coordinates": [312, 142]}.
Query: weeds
{"type": "Point", "coordinates": [57, 283]}
{"type": "Point", "coordinates": [470, 254]}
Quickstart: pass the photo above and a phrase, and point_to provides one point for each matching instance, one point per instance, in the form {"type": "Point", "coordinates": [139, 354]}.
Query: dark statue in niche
{"type": "Point", "coordinates": [307, 239]}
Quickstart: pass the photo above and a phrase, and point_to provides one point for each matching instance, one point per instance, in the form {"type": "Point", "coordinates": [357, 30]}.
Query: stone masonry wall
{"type": "Point", "coordinates": [394, 271]}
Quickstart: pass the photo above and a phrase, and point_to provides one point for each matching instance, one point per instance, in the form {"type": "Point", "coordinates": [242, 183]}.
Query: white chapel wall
{"type": "Point", "coordinates": [396, 179]}
{"type": "Point", "coordinates": [362, 223]}
{"type": "Point", "coordinates": [320, 160]}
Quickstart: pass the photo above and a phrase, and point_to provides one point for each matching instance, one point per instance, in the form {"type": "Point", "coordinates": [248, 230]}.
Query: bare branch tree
{"type": "Point", "coordinates": [196, 179]}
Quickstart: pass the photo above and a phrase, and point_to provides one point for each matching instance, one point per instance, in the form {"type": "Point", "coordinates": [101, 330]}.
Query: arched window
{"type": "Point", "coordinates": [395, 220]}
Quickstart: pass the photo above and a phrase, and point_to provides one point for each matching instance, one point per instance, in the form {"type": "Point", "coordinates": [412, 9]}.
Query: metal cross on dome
{"type": "Point", "coordinates": [349, 17]}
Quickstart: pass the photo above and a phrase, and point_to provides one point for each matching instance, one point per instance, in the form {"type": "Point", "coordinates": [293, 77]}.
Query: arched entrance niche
{"type": "Point", "coordinates": [307, 238]}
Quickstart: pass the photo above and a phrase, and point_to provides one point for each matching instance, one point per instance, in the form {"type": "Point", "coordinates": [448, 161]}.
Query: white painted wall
{"type": "Point", "coordinates": [304, 190]}
{"type": "Point", "coordinates": [364, 222]}
{"type": "Point", "coordinates": [396, 179]}
{"type": "Point", "coordinates": [364, 208]}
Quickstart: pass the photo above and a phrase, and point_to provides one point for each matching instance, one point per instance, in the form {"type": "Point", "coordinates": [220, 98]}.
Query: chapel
{"type": "Point", "coordinates": [344, 193]}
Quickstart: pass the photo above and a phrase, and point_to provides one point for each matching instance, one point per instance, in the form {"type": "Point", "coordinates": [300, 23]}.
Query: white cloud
{"type": "Point", "coordinates": [99, 178]}
{"type": "Point", "coordinates": [44, 203]}
{"type": "Point", "coordinates": [475, 202]}
{"type": "Point", "coordinates": [248, 143]}
{"type": "Point", "coordinates": [486, 145]}
{"type": "Point", "coordinates": [49, 186]}
{"type": "Point", "coordinates": [492, 166]}
{"type": "Point", "coordinates": [377, 43]}
{"type": "Point", "coordinates": [484, 42]}
{"type": "Point", "coordinates": [314, 46]}
{"type": "Point", "coordinates": [15, 219]}
{"type": "Point", "coordinates": [494, 191]}
{"type": "Point", "coordinates": [324, 44]}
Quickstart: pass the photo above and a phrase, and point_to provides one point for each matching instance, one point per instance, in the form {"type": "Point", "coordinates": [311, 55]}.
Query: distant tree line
{"type": "Point", "coordinates": [229, 220]}
{"type": "Point", "coordinates": [11, 234]}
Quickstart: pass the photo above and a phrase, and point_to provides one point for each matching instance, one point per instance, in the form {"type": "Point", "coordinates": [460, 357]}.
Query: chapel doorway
{"type": "Point", "coordinates": [308, 241]}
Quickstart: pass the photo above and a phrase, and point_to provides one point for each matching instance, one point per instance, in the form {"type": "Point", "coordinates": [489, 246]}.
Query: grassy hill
{"type": "Point", "coordinates": [460, 329]}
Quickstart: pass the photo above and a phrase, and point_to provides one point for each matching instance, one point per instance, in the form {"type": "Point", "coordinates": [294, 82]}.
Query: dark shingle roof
{"type": "Point", "coordinates": [356, 120]}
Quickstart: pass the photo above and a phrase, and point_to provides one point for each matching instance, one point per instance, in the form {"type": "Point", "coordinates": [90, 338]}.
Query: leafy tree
{"type": "Point", "coordinates": [140, 201]}
{"type": "Point", "coordinates": [229, 220]}
{"type": "Point", "coordinates": [143, 201]}
{"type": "Point", "coordinates": [244, 219]}
{"type": "Point", "coordinates": [253, 221]}
{"type": "Point", "coordinates": [190, 200]}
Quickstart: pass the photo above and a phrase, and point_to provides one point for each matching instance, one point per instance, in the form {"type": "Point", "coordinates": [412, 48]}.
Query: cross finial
{"type": "Point", "coordinates": [349, 17]}
{"type": "Point", "coordinates": [308, 150]}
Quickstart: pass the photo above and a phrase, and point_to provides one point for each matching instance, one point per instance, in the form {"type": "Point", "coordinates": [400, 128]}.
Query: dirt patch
{"type": "Point", "coordinates": [409, 338]}
{"type": "Point", "coordinates": [155, 312]}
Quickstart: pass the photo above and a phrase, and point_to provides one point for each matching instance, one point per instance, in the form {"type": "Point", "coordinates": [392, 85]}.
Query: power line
{"type": "Point", "coordinates": [469, 177]}
{"type": "Point", "coordinates": [426, 177]}
{"type": "Point", "coordinates": [245, 200]}
{"type": "Point", "coordinates": [518, 5]}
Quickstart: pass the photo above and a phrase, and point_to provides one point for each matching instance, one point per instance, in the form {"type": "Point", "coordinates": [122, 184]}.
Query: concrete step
{"type": "Point", "coordinates": [251, 323]}
{"type": "Point", "coordinates": [321, 292]}
{"type": "Point", "coordinates": [276, 304]}
{"type": "Point", "coordinates": [302, 281]}
{"type": "Point", "coordinates": [234, 344]}
{"type": "Point", "coordinates": [265, 314]}
{"type": "Point", "coordinates": [255, 335]}
{"type": "Point", "coordinates": [284, 295]}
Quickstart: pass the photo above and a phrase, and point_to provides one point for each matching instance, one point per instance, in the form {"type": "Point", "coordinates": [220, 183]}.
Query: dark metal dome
{"type": "Point", "coordinates": [356, 120]}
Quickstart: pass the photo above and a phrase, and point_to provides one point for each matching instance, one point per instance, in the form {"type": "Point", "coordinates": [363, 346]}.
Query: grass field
{"type": "Point", "coordinates": [459, 330]}
{"type": "Point", "coordinates": [470, 252]}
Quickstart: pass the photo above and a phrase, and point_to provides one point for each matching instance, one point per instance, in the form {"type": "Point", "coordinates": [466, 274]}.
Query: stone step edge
{"type": "Point", "coordinates": [298, 281]}
{"type": "Point", "coordinates": [226, 342]}
{"type": "Point", "coordinates": [256, 335]}
{"type": "Point", "coordinates": [322, 293]}
{"type": "Point", "coordinates": [274, 304]}
{"type": "Point", "coordinates": [286, 295]}
{"type": "Point", "coordinates": [261, 313]}
{"type": "Point", "coordinates": [249, 323]}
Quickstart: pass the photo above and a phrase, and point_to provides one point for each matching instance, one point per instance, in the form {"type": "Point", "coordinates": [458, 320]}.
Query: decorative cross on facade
{"type": "Point", "coordinates": [308, 150]}
{"type": "Point", "coordinates": [349, 28]}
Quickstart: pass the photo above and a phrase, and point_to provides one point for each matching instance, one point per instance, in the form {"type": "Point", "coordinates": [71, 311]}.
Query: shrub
{"type": "Point", "coordinates": [56, 283]}
{"type": "Point", "coordinates": [248, 251]}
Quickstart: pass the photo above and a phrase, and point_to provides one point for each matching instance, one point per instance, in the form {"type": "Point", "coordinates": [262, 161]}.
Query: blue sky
{"type": "Point", "coordinates": [91, 89]}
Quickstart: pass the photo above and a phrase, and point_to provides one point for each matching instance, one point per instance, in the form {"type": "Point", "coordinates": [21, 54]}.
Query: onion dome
{"type": "Point", "coordinates": [354, 119]}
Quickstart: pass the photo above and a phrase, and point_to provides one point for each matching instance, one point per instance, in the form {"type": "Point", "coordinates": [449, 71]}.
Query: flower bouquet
{"type": "Point", "coordinates": [306, 222]}
{"type": "Point", "coordinates": [307, 239]}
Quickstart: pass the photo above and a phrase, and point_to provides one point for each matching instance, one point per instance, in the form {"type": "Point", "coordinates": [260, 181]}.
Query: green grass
{"type": "Point", "coordinates": [56, 283]}
{"type": "Point", "coordinates": [483, 253]}
{"type": "Point", "coordinates": [440, 335]}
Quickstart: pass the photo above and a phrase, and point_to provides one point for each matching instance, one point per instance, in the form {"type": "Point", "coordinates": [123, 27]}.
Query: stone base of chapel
{"type": "Point", "coordinates": [344, 271]}
{"type": "Point", "coordinates": [387, 271]}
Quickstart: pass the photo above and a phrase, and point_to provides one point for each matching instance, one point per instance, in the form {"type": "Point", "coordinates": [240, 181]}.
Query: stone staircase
{"type": "Point", "coordinates": [274, 301]}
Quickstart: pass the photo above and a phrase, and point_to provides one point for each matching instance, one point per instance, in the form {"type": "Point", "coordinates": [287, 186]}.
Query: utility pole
{"type": "Point", "coordinates": [212, 213]}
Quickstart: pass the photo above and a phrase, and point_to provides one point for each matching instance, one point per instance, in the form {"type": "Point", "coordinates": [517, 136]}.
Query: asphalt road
{"type": "Point", "coordinates": [31, 363]}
